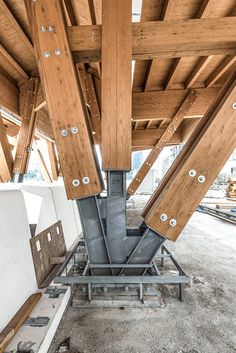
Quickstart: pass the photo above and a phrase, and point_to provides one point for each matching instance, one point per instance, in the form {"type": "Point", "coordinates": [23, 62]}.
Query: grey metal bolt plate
{"type": "Point", "coordinates": [46, 54]}
{"type": "Point", "coordinates": [86, 180]}
{"type": "Point", "coordinates": [163, 217]}
{"type": "Point", "coordinates": [76, 182]}
{"type": "Point", "coordinates": [192, 173]}
{"type": "Point", "coordinates": [201, 178]}
{"type": "Point", "coordinates": [74, 130]}
{"type": "Point", "coordinates": [64, 132]}
{"type": "Point", "coordinates": [173, 222]}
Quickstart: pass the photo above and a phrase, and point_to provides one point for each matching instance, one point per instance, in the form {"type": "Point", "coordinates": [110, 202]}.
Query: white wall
{"type": "Point", "coordinates": [17, 277]}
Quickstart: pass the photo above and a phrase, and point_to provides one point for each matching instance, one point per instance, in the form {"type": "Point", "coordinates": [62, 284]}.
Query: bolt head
{"type": "Point", "coordinates": [74, 130]}
{"type": "Point", "coordinates": [192, 173]}
{"type": "Point", "coordinates": [173, 222]}
{"type": "Point", "coordinates": [43, 29]}
{"type": "Point", "coordinates": [86, 180]}
{"type": "Point", "coordinates": [64, 132]}
{"type": "Point", "coordinates": [234, 105]}
{"type": "Point", "coordinates": [75, 182]}
{"type": "Point", "coordinates": [50, 28]}
{"type": "Point", "coordinates": [58, 51]}
{"type": "Point", "coordinates": [46, 54]}
{"type": "Point", "coordinates": [163, 217]}
{"type": "Point", "coordinates": [201, 178]}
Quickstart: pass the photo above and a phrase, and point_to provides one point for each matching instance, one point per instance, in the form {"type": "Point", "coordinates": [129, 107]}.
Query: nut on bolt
{"type": "Point", "coordinates": [163, 217]}
{"type": "Point", "coordinates": [64, 132]}
{"type": "Point", "coordinates": [192, 173]}
{"type": "Point", "coordinates": [76, 182]}
{"type": "Point", "coordinates": [173, 222]}
{"type": "Point", "coordinates": [86, 180]}
{"type": "Point", "coordinates": [201, 178]}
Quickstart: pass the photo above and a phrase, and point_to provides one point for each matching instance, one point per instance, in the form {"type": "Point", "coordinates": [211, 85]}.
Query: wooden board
{"type": "Point", "coordinates": [170, 39]}
{"type": "Point", "coordinates": [17, 321]}
{"type": "Point", "coordinates": [188, 191]}
{"type": "Point", "coordinates": [45, 245]}
{"type": "Point", "coordinates": [65, 101]}
{"type": "Point", "coordinates": [116, 84]}
{"type": "Point", "coordinates": [165, 138]}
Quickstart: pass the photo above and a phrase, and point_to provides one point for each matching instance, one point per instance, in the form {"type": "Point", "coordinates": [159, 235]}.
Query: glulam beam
{"type": "Point", "coordinates": [152, 40]}
{"type": "Point", "coordinates": [64, 100]}
{"type": "Point", "coordinates": [116, 84]}
{"type": "Point", "coordinates": [198, 164]}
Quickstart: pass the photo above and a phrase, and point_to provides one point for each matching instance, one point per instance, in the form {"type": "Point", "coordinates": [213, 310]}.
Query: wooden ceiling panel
{"type": "Point", "coordinates": [140, 69]}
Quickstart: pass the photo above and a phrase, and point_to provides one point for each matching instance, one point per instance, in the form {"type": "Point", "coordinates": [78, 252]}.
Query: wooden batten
{"type": "Point", "coordinates": [116, 84]}
{"type": "Point", "coordinates": [64, 100]}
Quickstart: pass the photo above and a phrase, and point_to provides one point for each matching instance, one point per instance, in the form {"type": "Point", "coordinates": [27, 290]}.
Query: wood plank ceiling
{"type": "Point", "coordinates": [164, 80]}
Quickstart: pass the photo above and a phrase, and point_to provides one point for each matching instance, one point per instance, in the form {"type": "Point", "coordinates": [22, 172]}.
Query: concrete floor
{"type": "Point", "coordinates": [204, 323]}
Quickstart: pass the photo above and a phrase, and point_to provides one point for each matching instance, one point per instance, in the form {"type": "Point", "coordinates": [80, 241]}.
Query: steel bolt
{"type": "Point", "coordinates": [192, 173]}
{"type": "Point", "coordinates": [86, 180]}
{"type": "Point", "coordinates": [201, 178]}
{"type": "Point", "coordinates": [50, 28]}
{"type": "Point", "coordinates": [234, 105]}
{"type": "Point", "coordinates": [74, 130]}
{"type": "Point", "coordinates": [64, 132]}
{"type": "Point", "coordinates": [58, 51]}
{"type": "Point", "coordinates": [43, 29]}
{"type": "Point", "coordinates": [173, 222]}
{"type": "Point", "coordinates": [47, 54]}
{"type": "Point", "coordinates": [76, 182]}
{"type": "Point", "coordinates": [163, 217]}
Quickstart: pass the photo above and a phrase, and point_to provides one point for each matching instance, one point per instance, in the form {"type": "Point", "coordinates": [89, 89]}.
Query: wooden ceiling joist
{"type": "Point", "coordinates": [220, 70]}
{"type": "Point", "coordinates": [4, 8]}
{"type": "Point", "coordinates": [171, 39]}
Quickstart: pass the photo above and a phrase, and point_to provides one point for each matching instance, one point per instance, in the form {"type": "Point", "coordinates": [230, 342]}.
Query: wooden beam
{"type": "Point", "coordinates": [53, 160]}
{"type": "Point", "coordinates": [164, 104]}
{"type": "Point", "coordinates": [166, 15]}
{"type": "Point", "coordinates": [187, 128]}
{"type": "Point", "coordinates": [9, 95]}
{"type": "Point", "coordinates": [220, 70]}
{"type": "Point", "coordinates": [6, 159]}
{"type": "Point", "coordinates": [42, 165]}
{"type": "Point", "coordinates": [28, 96]}
{"type": "Point", "coordinates": [116, 84]}
{"type": "Point", "coordinates": [65, 102]}
{"type": "Point", "coordinates": [24, 76]}
{"type": "Point", "coordinates": [191, 175]}
{"type": "Point", "coordinates": [198, 69]}
{"type": "Point", "coordinates": [17, 321]}
{"type": "Point", "coordinates": [172, 39]}
{"type": "Point", "coordinates": [148, 138]}
{"type": "Point", "coordinates": [173, 72]}
{"type": "Point", "coordinates": [165, 138]}
{"type": "Point", "coordinates": [4, 9]}
{"type": "Point", "coordinates": [92, 103]}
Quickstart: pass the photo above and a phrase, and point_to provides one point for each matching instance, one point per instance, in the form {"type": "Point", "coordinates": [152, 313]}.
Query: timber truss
{"type": "Point", "coordinates": [86, 76]}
